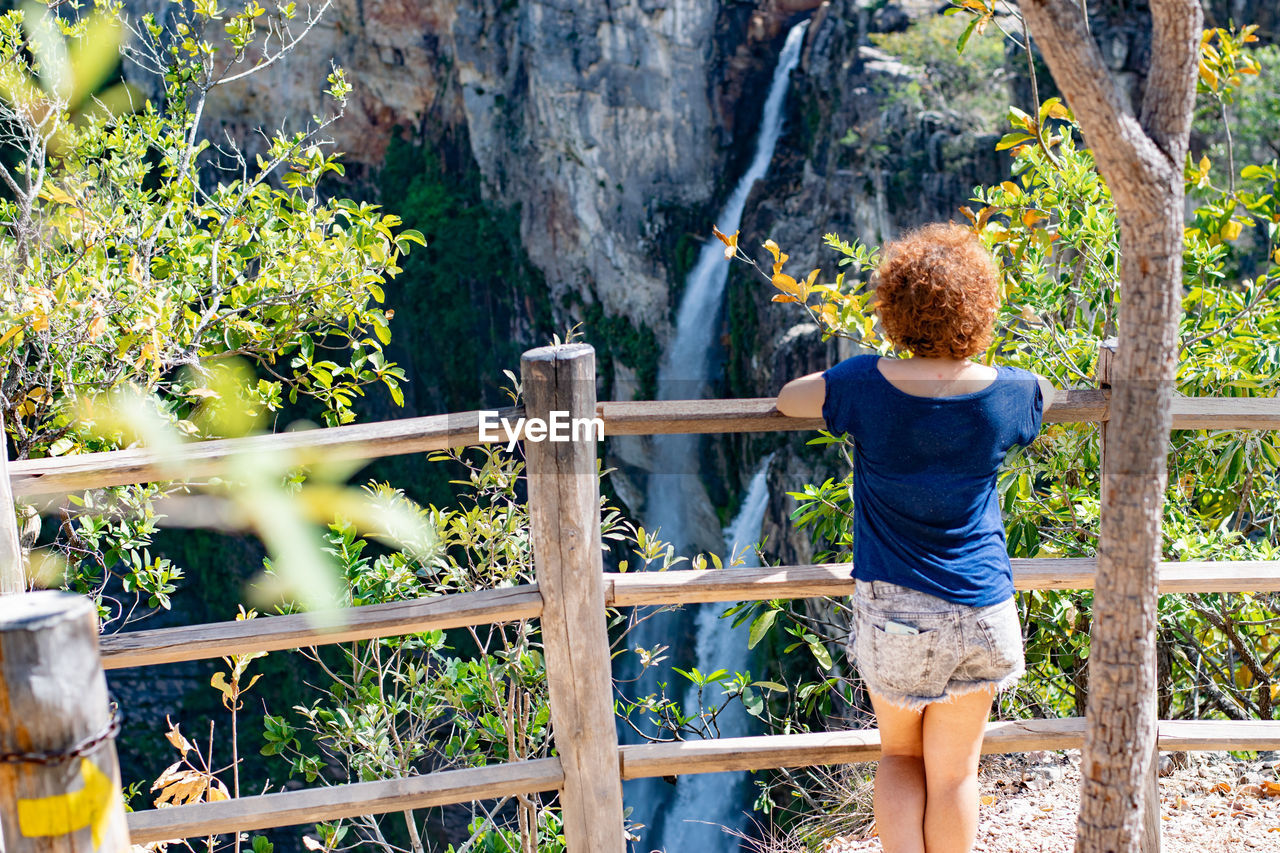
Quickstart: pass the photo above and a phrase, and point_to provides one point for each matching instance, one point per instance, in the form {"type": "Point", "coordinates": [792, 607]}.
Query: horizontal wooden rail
{"type": "Point", "coordinates": [1226, 412]}
{"type": "Point", "coordinates": [759, 584]}
{"type": "Point", "coordinates": [197, 642]}
{"type": "Point", "coordinates": [290, 808]}
{"type": "Point", "coordinates": [437, 432]}
{"type": "Point", "coordinates": [832, 579]}
{"type": "Point", "coordinates": [200, 459]}
{"type": "Point", "coordinates": [637, 762]}
{"type": "Point", "coordinates": [759, 414]}
{"type": "Point", "coordinates": [270, 634]}
{"type": "Point", "coordinates": [845, 747]}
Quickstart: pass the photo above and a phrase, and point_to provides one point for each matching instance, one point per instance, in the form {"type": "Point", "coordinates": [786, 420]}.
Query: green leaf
{"type": "Point", "coordinates": [1018, 118]}
{"type": "Point", "coordinates": [760, 627]}
{"type": "Point", "coordinates": [1269, 452]}
{"type": "Point", "coordinates": [770, 685]}
{"type": "Point", "coordinates": [1236, 467]}
{"type": "Point", "coordinates": [820, 653]}
{"type": "Point", "coordinates": [1009, 140]}
{"type": "Point", "coordinates": [409, 235]}
{"type": "Point", "coordinates": [964, 36]}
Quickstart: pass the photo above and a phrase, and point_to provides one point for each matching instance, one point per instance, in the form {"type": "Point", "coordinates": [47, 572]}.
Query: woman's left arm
{"type": "Point", "coordinates": [1047, 391]}
{"type": "Point", "coordinates": [803, 397]}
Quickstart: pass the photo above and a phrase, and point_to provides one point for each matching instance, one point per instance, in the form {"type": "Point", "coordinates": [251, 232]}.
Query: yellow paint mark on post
{"type": "Point", "coordinates": [64, 814]}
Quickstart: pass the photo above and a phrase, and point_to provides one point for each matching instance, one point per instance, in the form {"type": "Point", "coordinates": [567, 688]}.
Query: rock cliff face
{"type": "Point", "coordinates": [610, 126]}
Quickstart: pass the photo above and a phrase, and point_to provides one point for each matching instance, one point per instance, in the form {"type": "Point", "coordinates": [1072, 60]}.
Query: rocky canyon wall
{"type": "Point", "coordinates": [610, 126]}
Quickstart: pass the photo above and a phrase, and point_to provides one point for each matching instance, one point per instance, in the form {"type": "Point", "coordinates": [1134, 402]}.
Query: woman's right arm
{"type": "Point", "coordinates": [803, 397]}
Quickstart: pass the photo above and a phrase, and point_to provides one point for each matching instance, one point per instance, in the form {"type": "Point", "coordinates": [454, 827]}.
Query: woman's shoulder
{"type": "Point", "coordinates": [1021, 375]}
{"type": "Point", "coordinates": [852, 366]}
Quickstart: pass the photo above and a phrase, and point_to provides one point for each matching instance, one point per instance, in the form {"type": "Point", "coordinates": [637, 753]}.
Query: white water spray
{"type": "Point", "coordinates": [676, 500]}
{"type": "Point", "coordinates": [705, 805]}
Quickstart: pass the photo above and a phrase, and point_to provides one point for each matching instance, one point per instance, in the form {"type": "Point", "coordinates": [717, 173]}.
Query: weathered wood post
{"type": "Point", "coordinates": [564, 512]}
{"type": "Point", "coordinates": [1151, 797]}
{"type": "Point", "coordinates": [11, 575]}
{"type": "Point", "coordinates": [59, 780]}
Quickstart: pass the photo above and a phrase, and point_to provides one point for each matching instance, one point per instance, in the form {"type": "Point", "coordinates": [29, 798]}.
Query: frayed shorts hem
{"type": "Point", "coordinates": [953, 690]}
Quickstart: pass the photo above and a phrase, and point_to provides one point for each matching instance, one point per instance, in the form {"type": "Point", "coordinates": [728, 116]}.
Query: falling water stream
{"type": "Point", "coordinates": [692, 816]}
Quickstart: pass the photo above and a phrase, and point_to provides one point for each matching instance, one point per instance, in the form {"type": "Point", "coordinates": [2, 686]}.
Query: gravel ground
{"type": "Point", "coordinates": [1209, 803]}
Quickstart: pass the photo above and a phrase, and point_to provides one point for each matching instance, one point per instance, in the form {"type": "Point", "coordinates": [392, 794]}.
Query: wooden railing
{"type": "Point", "coordinates": [570, 598]}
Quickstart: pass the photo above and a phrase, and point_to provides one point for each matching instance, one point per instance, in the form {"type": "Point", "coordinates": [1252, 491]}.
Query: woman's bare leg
{"type": "Point", "coordinates": [952, 738]}
{"type": "Point", "coordinates": [900, 778]}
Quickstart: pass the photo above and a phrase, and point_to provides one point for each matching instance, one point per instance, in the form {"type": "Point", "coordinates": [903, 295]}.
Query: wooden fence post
{"type": "Point", "coordinates": [59, 780]}
{"type": "Point", "coordinates": [564, 512]}
{"type": "Point", "coordinates": [11, 576]}
{"type": "Point", "coordinates": [1151, 796]}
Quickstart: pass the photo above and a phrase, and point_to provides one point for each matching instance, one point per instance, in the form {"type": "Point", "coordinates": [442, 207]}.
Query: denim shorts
{"type": "Point", "coordinates": [958, 649]}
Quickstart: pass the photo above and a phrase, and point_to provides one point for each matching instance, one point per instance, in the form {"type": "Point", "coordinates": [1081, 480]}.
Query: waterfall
{"type": "Point", "coordinates": [704, 805]}
{"type": "Point", "coordinates": [678, 509]}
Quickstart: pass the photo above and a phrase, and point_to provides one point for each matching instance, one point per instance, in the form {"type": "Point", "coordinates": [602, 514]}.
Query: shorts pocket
{"type": "Point", "coordinates": [903, 662]}
{"type": "Point", "coordinates": [1003, 636]}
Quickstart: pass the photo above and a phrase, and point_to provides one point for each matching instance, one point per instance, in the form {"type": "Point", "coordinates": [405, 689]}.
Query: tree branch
{"type": "Point", "coordinates": [1175, 56]}
{"type": "Point", "coordinates": [1125, 154]}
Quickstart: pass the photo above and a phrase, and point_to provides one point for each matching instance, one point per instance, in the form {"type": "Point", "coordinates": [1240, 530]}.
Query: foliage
{"type": "Point", "coordinates": [466, 283]}
{"type": "Point", "coordinates": [404, 705]}
{"type": "Point", "coordinates": [439, 700]}
{"type": "Point", "coordinates": [458, 301]}
{"type": "Point", "coordinates": [194, 777]}
{"type": "Point", "coordinates": [121, 268]}
{"type": "Point", "coordinates": [972, 82]}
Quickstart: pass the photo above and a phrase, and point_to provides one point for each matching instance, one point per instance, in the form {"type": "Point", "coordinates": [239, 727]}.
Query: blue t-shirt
{"type": "Point", "coordinates": [926, 509]}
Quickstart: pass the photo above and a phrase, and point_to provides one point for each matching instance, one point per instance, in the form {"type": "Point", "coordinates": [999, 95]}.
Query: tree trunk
{"type": "Point", "coordinates": [1141, 158]}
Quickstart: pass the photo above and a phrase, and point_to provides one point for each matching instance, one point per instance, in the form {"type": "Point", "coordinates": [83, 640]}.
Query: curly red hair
{"type": "Point", "coordinates": [937, 293]}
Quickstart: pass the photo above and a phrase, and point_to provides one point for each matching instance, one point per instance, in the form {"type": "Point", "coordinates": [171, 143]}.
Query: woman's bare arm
{"type": "Point", "coordinates": [1047, 391]}
{"type": "Point", "coordinates": [803, 397]}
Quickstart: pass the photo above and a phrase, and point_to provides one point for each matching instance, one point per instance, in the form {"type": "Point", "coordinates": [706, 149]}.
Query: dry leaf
{"type": "Point", "coordinates": [730, 242]}
{"type": "Point", "coordinates": [185, 786]}
{"type": "Point", "coordinates": [179, 742]}
{"type": "Point", "coordinates": [169, 774]}
{"type": "Point", "coordinates": [988, 799]}
{"type": "Point", "coordinates": [1221, 788]}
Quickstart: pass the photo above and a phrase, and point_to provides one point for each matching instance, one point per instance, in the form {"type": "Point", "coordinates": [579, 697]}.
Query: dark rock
{"type": "Point", "coordinates": [889, 18]}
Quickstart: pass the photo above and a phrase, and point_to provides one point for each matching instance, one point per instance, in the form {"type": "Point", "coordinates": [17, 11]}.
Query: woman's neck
{"type": "Point", "coordinates": [936, 377]}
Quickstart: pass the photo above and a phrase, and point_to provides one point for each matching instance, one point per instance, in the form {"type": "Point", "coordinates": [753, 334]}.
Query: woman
{"type": "Point", "coordinates": [935, 631]}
